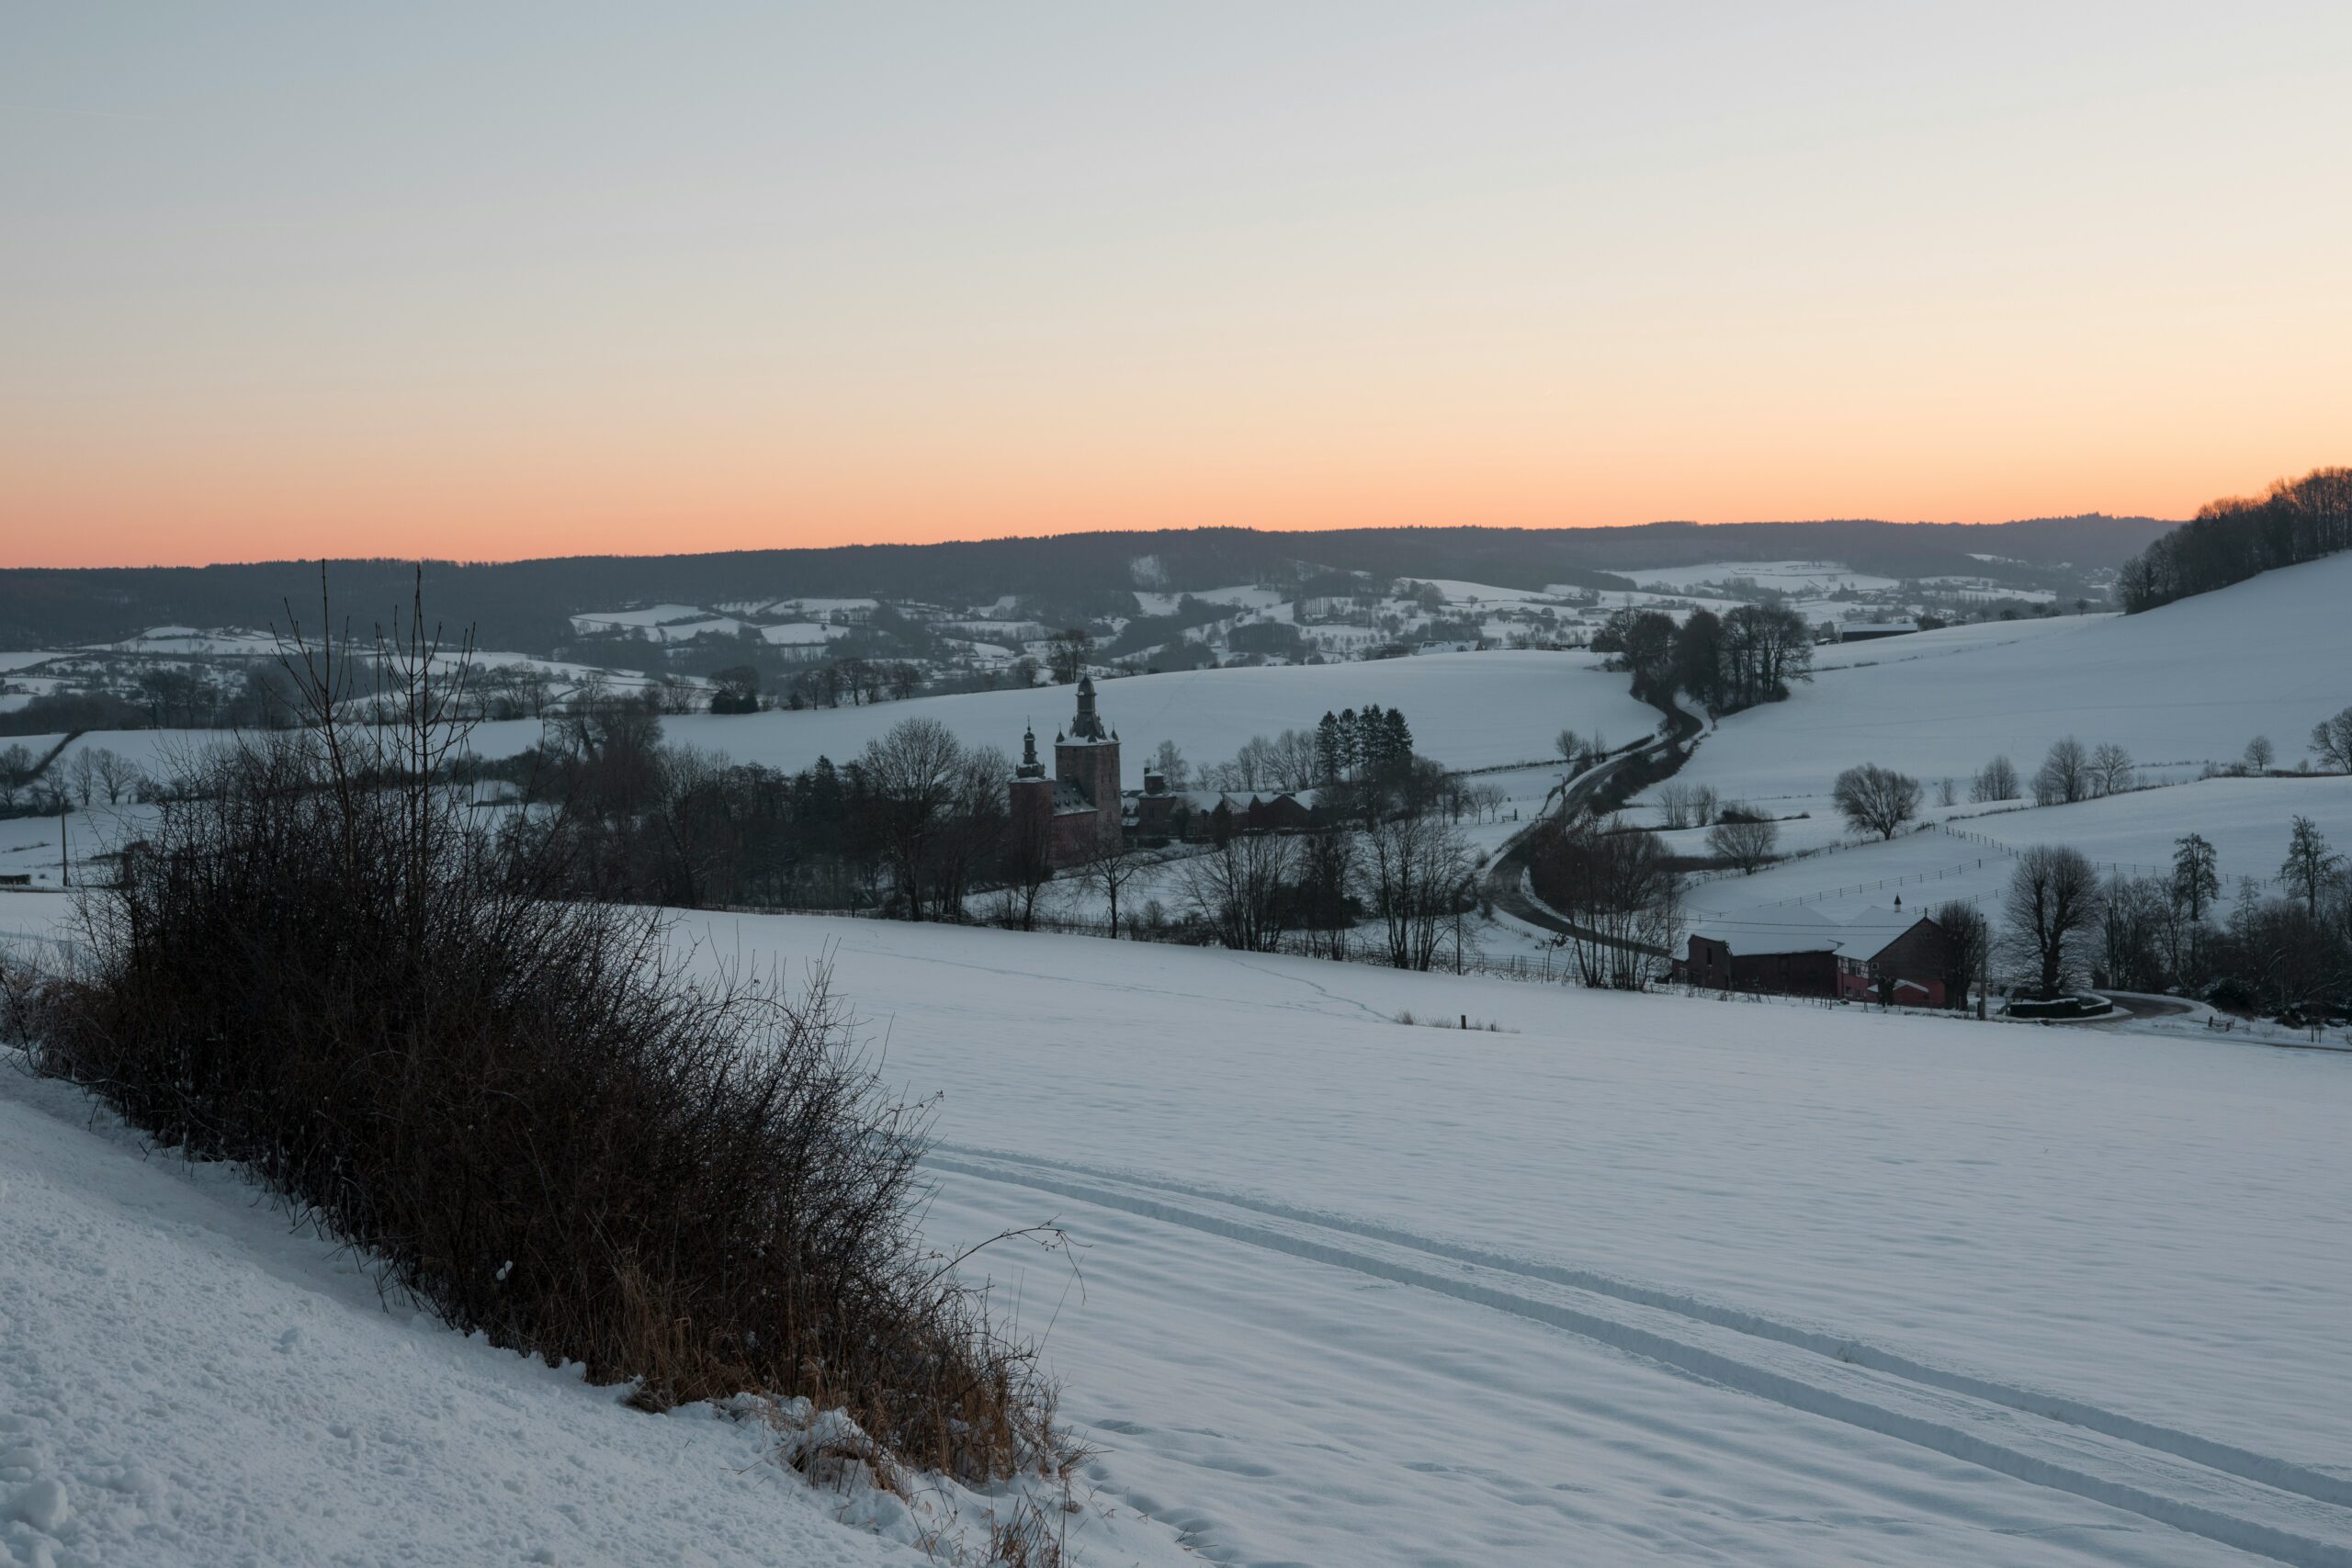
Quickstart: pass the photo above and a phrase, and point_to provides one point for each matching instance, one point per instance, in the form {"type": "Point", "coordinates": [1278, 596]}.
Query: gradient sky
{"type": "Point", "coordinates": [489, 281]}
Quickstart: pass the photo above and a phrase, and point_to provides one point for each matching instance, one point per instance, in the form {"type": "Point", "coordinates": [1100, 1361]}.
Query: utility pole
{"type": "Point", "coordinates": [64, 862]}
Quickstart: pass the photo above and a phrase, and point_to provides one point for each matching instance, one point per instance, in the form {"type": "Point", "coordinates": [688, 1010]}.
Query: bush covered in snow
{"type": "Point", "coordinates": [518, 1108]}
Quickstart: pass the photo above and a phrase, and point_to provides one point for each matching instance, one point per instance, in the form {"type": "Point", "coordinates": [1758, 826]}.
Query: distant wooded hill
{"type": "Point", "coordinates": [524, 605]}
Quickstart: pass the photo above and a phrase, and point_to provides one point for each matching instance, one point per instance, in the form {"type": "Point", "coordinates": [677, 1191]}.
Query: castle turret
{"type": "Point", "coordinates": [1030, 806]}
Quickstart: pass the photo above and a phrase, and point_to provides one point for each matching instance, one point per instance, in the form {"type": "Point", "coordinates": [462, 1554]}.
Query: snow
{"type": "Point", "coordinates": [1638, 1278]}
{"type": "Point", "coordinates": [1971, 853]}
{"type": "Point", "coordinates": [1936, 644]}
{"type": "Point", "coordinates": [800, 632]}
{"type": "Point", "coordinates": [1459, 593]}
{"type": "Point", "coordinates": [2178, 686]}
{"type": "Point", "coordinates": [823, 606]}
{"type": "Point", "coordinates": [1635, 1278]}
{"type": "Point", "coordinates": [187, 1379]}
{"type": "Point", "coordinates": [1242, 596]}
{"type": "Point", "coordinates": [1471, 710]}
{"type": "Point", "coordinates": [229, 640]}
{"type": "Point", "coordinates": [183, 1382]}
{"type": "Point", "coordinates": [652, 615]}
{"type": "Point", "coordinates": [1792, 577]}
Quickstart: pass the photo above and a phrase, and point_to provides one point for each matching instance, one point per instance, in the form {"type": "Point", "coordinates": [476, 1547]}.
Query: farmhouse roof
{"type": "Point", "coordinates": [1877, 928]}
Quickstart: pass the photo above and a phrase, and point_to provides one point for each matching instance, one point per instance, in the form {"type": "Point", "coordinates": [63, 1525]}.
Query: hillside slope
{"type": "Point", "coordinates": [2180, 686]}
{"type": "Point", "coordinates": [187, 1379]}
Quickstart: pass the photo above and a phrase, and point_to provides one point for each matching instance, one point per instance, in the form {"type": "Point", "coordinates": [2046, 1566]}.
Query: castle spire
{"type": "Point", "coordinates": [1030, 767]}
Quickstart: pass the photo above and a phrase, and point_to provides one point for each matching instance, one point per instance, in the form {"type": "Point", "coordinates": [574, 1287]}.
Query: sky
{"type": "Point", "coordinates": [491, 282]}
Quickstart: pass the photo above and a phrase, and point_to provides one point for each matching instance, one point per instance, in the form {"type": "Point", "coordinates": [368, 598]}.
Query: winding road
{"type": "Point", "coordinates": [1505, 883]}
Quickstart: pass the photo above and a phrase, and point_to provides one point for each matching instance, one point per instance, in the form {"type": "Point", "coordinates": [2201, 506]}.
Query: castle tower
{"type": "Point", "coordinates": [1087, 759]}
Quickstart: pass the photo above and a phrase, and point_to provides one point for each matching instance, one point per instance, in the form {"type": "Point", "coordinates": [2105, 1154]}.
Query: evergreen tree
{"type": "Point", "coordinates": [1329, 752]}
{"type": "Point", "coordinates": [1372, 741]}
{"type": "Point", "coordinates": [1397, 751]}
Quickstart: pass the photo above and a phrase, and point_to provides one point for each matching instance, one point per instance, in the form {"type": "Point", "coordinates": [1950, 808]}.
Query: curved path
{"type": "Point", "coordinates": [1504, 884]}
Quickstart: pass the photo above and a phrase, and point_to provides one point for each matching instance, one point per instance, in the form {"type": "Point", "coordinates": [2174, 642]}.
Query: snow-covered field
{"type": "Point", "coordinates": [1797, 578]}
{"type": "Point", "coordinates": [2178, 686]}
{"type": "Point", "coordinates": [1644, 1279]}
{"type": "Point", "coordinates": [1969, 853]}
{"type": "Point", "coordinates": [1469, 710]}
{"type": "Point", "coordinates": [1635, 1280]}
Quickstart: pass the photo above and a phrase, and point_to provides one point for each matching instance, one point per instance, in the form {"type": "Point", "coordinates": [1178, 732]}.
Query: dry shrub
{"type": "Point", "coordinates": [521, 1111]}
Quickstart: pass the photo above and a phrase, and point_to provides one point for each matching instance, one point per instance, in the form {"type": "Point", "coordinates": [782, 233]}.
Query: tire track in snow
{"type": "Point", "coordinates": [2281, 1474]}
{"type": "Point", "coordinates": [1824, 1376]}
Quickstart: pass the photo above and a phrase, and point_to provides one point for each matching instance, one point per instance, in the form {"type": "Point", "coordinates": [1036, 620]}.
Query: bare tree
{"type": "Point", "coordinates": [971, 832]}
{"type": "Point", "coordinates": [2310, 864]}
{"type": "Point", "coordinates": [117, 775]}
{"type": "Point", "coordinates": [1676, 807]}
{"type": "Point", "coordinates": [81, 772]}
{"type": "Point", "coordinates": [2260, 754]}
{"type": "Point", "coordinates": [2135, 920]}
{"type": "Point", "coordinates": [2109, 770]}
{"type": "Point", "coordinates": [1997, 780]}
{"type": "Point", "coordinates": [1290, 761]}
{"type": "Point", "coordinates": [1968, 937]}
{"type": "Point", "coordinates": [2332, 742]}
{"type": "Point", "coordinates": [1327, 875]}
{"type": "Point", "coordinates": [2064, 776]}
{"type": "Point", "coordinates": [1946, 791]}
{"type": "Point", "coordinates": [1241, 887]}
{"type": "Point", "coordinates": [1621, 897]}
{"type": "Point", "coordinates": [1876, 800]}
{"type": "Point", "coordinates": [2050, 908]}
{"type": "Point", "coordinates": [913, 770]}
{"type": "Point", "coordinates": [1171, 764]}
{"type": "Point", "coordinates": [1412, 870]}
{"type": "Point", "coordinates": [1108, 868]}
{"type": "Point", "coordinates": [1744, 838]}
{"type": "Point", "coordinates": [2190, 889]}
{"type": "Point", "coordinates": [1066, 653]}
{"type": "Point", "coordinates": [1028, 868]}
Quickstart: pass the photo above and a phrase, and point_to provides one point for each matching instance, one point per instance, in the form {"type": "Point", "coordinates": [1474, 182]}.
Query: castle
{"type": "Point", "coordinates": [1075, 813]}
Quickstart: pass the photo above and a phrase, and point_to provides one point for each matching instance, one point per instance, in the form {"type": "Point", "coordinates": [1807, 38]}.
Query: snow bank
{"type": "Point", "coordinates": [184, 1380]}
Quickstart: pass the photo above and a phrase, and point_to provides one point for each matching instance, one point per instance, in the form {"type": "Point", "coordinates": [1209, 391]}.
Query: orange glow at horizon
{"type": "Point", "coordinates": [332, 284]}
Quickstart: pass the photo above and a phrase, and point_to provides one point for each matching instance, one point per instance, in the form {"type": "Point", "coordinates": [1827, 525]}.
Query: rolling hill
{"type": "Point", "coordinates": [2179, 687]}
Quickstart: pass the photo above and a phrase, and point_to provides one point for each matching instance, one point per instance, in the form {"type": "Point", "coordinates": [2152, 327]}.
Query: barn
{"type": "Point", "coordinates": [1893, 950]}
{"type": "Point", "coordinates": [1797, 952]}
{"type": "Point", "coordinates": [1790, 952]}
